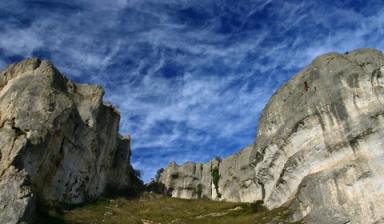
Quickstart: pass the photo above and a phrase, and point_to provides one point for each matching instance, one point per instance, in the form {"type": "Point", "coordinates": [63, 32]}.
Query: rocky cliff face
{"type": "Point", "coordinates": [196, 180]}
{"type": "Point", "coordinates": [319, 147]}
{"type": "Point", "coordinates": [59, 142]}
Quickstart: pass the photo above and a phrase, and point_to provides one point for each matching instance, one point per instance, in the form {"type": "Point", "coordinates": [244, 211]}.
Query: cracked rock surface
{"type": "Point", "coordinates": [59, 142]}
{"type": "Point", "coordinates": [319, 147]}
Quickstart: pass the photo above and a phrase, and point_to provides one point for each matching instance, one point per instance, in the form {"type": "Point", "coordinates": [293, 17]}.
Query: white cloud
{"type": "Point", "coordinates": [20, 42]}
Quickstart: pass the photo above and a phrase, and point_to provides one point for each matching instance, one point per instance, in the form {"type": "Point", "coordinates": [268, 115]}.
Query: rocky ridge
{"type": "Point", "coordinates": [318, 149]}
{"type": "Point", "coordinates": [59, 143]}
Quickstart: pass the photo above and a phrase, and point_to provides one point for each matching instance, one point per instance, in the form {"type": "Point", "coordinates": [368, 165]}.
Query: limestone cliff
{"type": "Point", "coordinates": [59, 142]}
{"type": "Point", "coordinates": [319, 147]}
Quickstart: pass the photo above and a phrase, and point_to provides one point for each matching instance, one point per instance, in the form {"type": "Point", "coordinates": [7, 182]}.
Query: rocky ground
{"type": "Point", "coordinates": [152, 208]}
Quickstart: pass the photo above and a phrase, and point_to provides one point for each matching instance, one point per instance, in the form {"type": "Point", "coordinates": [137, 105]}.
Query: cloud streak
{"type": "Point", "coordinates": [189, 77]}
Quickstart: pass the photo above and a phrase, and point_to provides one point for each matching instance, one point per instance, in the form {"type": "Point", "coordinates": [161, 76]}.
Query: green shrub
{"type": "Point", "coordinates": [199, 190]}
{"type": "Point", "coordinates": [158, 174]}
{"type": "Point", "coordinates": [216, 179]}
{"type": "Point", "coordinates": [257, 206]}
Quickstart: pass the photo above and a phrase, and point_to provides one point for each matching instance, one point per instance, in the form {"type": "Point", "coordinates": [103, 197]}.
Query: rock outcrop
{"type": "Point", "coordinates": [319, 147]}
{"type": "Point", "coordinates": [59, 143]}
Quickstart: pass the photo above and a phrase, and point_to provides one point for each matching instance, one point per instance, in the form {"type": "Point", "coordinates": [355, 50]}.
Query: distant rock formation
{"type": "Point", "coordinates": [319, 147]}
{"type": "Point", "coordinates": [59, 143]}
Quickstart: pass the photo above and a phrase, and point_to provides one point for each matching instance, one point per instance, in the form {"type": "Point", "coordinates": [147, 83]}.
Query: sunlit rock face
{"type": "Point", "coordinates": [183, 181]}
{"type": "Point", "coordinates": [59, 142]}
{"type": "Point", "coordinates": [235, 182]}
{"type": "Point", "coordinates": [319, 147]}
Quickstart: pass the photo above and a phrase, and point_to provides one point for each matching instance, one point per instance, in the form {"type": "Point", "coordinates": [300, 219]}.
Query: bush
{"type": "Point", "coordinates": [216, 179]}
{"type": "Point", "coordinates": [199, 190]}
{"type": "Point", "coordinates": [156, 187]}
{"type": "Point", "coordinates": [158, 174]}
{"type": "Point", "coordinates": [255, 207]}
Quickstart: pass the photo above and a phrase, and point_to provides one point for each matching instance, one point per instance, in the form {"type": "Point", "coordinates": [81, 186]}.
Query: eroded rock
{"type": "Point", "coordinates": [59, 142]}
{"type": "Point", "coordinates": [319, 147]}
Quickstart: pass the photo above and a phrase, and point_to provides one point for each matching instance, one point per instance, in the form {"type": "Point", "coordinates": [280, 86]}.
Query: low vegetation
{"type": "Point", "coordinates": [199, 190]}
{"type": "Point", "coordinates": [215, 179]}
{"type": "Point", "coordinates": [152, 208]}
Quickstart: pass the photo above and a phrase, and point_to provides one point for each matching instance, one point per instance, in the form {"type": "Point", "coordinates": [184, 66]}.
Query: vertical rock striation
{"type": "Point", "coordinates": [59, 143]}
{"type": "Point", "coordinates": [319, 147]}
{"type": "Point", "coordinates": [184, 181]}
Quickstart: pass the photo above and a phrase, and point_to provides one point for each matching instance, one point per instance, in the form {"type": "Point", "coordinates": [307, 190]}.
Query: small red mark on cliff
{"type": "Point", "coordinates": [306, 87]}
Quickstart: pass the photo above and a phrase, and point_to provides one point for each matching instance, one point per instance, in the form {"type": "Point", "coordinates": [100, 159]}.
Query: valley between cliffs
{"type": "Point", "coordinates": [318, 155]}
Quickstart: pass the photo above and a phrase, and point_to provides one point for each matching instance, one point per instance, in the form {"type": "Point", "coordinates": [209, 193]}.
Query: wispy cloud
{"type": "Point", "coordinates": [189, 77]}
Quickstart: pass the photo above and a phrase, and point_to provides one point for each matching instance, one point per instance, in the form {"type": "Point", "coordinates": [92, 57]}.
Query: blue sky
{"type": "Point", "coordinates": [190, 77]}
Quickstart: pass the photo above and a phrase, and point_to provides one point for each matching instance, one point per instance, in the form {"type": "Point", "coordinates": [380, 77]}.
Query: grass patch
{"type": "Point", "coordinates": [155, 209]}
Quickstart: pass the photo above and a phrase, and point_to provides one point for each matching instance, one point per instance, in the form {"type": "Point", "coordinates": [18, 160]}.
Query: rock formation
{"type": "Point", "coordinates": [59, 143]}
{"type": "Point", "coordinates": [319, 147]}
